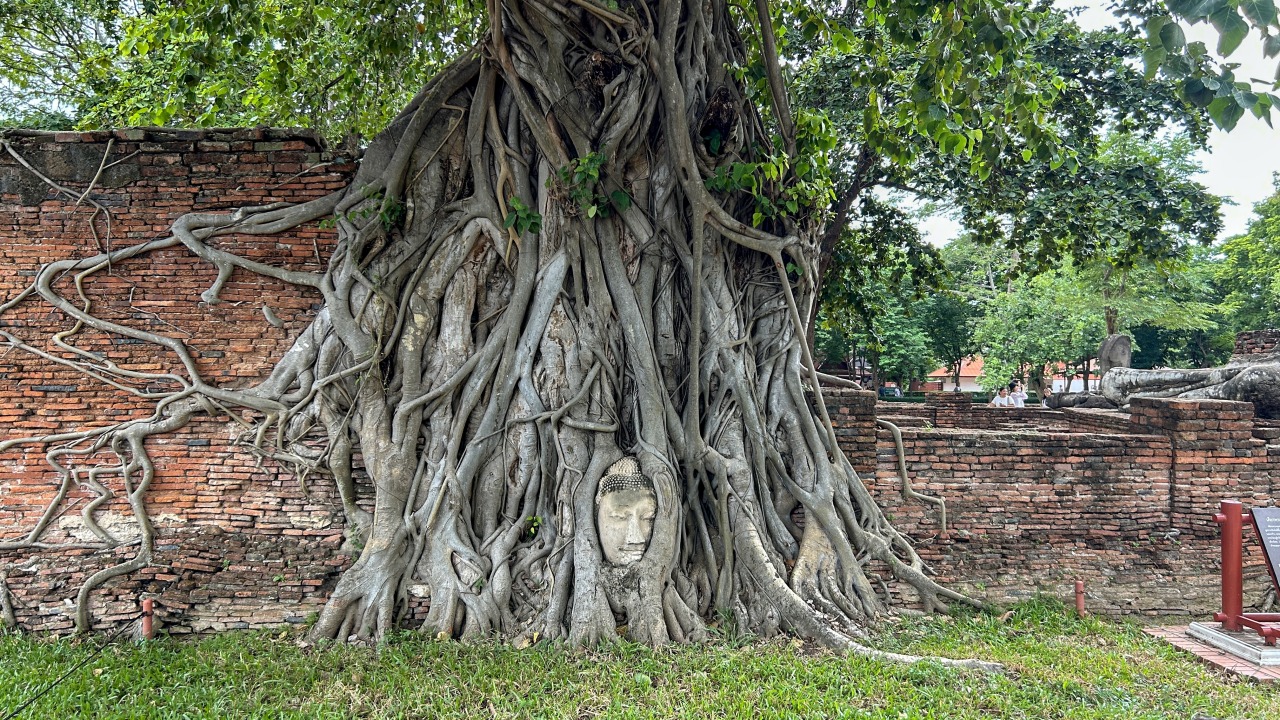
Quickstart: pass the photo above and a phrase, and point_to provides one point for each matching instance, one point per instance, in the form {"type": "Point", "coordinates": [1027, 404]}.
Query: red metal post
{"type": "Point", "coordinates": [148, 610]}
{"type": "Point", "coordinates": [1079, 598]}
{"type": "Point", "coordinates": [1232, 591]}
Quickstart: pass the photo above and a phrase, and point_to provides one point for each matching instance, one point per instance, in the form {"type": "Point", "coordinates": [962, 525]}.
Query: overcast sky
{"type": "Point", "coordinates": [1239, 164]}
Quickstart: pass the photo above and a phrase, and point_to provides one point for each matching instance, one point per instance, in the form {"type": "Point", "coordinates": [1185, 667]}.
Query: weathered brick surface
{"type": "Point", "coordinates": [1256, 342]}
{"type": "Point", "coordinates": [1096, 420]}
{"type": "Point", "coordinates": [1215, 456]}
{"type": "Point", "coordinates": [1123, 502]}
{"type": "Point", "coordinates": [853, 412]}
{"type": "Point", "coordinates": [238, 543]}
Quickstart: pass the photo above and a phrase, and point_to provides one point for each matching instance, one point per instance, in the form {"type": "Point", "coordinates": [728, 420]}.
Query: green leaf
{"type": "Point", "coordinates": [621, 200]}
{"type": "Point", "coordinates": [1152, 58]}
{"type": "Point", "coordinates": [1271, 46]}
{"type": "Point", "coordinates": [1226, 112]}
{"type": "Point", "coordinates": [1260, 12]}
{"type": "Point", "coordinates": [510, 219]}
{"type": "Point", "coordinates": [1172, 37]}
{"type": "Point", "coordinates": [1156, 25]}
{"type": "Point", "coordinates": [591, 211]}
{"type": "Point", "coordinates": [1196, 93]}
{"type": "Point", "coordinates": [1194, 9]}
{"type": "Point", "coordinates": [1232, 29]}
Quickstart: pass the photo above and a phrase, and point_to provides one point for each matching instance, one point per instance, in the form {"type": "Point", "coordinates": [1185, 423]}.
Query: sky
{"type": "Point", "coordinates": [1239, 164]}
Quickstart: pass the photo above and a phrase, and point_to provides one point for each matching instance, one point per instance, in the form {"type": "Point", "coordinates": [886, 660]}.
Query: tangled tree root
{"type": "Point", "coordinates": [531, 282]}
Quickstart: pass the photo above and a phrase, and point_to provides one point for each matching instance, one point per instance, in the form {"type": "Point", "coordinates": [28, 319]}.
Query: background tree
{"type": "Point", "coordinates": [1188, 289]}
{"type": "Point", "coordinates": [893, 343]}
{"type": "Point", "coordinates": [339, 66]}
{"type": "Point", "coordinates": [1059, 318]}
{"type": "Point", "coordinates": [1007, 179]}
{"type": "Point", "coordinates": [343, 67]}
{"type": "Point", "coordinates": [1249, 271]}
{"type": "Point", "coordinates": [871, 307]}
{"type": "Point", "coordinates": [1035, 325]}
{"type": "Point", "coordinates": [55, 59]}
{"type": "Point", "coordinates": [947, 320]}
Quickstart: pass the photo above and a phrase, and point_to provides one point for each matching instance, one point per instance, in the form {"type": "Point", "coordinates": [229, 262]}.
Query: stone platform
{"type": "Point", "coordinates": [1183, 637]}
{"type": "Point", "coordinates": [1245, 644]}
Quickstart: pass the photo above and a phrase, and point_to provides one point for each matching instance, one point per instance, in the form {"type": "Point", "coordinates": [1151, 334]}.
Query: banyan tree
{"type": "Point", "coordinates": [568, 353]}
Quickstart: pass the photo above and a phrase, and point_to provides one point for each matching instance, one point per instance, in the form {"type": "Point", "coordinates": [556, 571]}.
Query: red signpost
{"type": "Point", "coordinates": [148, 611]}
{"type": "Point", "coordinates": [1232, 519]}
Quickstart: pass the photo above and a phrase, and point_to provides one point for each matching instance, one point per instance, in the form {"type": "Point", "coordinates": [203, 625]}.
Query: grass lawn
{"type": "Point", "coordinates": [1059, 667]}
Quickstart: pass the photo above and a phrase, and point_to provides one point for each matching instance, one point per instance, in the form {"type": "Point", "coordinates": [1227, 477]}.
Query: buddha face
{"type": "Point", "coordinates": [624, 519]}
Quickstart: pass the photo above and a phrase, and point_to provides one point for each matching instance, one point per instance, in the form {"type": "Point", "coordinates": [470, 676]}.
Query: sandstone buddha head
{"type": "Point", "coordinates": [625, 507]}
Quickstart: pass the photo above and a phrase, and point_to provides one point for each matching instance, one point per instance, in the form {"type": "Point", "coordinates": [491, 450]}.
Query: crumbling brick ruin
{"type": "Point", "coordinates": [239, 544]}
{"type": "Point", "coordinates": [1036, 498]}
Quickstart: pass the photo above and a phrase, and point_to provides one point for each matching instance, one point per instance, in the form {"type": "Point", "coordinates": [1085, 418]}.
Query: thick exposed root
{"type": "Point", "coordinates": [364, 603]}
{"type": "Point", "coordinates": [8, 619]}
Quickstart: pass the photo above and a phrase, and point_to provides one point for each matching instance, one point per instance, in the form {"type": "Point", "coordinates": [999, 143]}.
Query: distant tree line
{"type": "Point", "coordinates": [1182, 309]}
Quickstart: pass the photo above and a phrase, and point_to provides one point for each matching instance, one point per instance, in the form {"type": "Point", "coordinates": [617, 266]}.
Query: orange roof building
{"type": "Point", "coordinates": [970, 369]}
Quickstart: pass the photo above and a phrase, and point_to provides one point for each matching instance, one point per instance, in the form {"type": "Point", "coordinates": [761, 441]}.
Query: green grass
{"type": "Point", "coordinates": [1059, 667]}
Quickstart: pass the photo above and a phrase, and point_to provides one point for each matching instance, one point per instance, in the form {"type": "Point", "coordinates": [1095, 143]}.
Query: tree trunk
{"type": "Point", "coordinates": [532, 283]}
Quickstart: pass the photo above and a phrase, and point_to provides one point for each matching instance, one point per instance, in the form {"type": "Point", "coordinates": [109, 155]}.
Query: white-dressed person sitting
{"type": "Point", "coordinates": [1002, 398]}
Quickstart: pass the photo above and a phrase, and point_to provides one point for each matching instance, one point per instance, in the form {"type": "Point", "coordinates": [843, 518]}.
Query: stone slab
{"type": "Point", "coordinates": [1247, 645]}
{"type": "Point", "coordinates": [1177, 636]}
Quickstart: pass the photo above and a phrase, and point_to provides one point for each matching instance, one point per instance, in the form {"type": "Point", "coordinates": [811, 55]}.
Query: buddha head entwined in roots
{"type": "Point", "coordinates": [625, 507]}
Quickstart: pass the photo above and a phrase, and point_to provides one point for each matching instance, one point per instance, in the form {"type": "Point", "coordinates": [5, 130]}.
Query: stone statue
{"type": "Point", "coordinates": [1115, 351]}
{"type": "Point", "coordinates": [1079, 400]}
{"type": "Point", "coordinates": [625, 507]}
{"type": "Point", "coordinates": [1248, 378]}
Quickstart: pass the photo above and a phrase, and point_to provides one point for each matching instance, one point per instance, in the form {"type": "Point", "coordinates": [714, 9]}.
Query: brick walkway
{"type": "Point", "coordinates": [1176, 635]}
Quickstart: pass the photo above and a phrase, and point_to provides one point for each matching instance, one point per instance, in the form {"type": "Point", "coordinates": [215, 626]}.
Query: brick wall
{"type": "Point", "coordinates": [1214, 455]}
{"type": "Point", "coordinates": [1256, 342]}
{"type": "Point", "coordinates": [853, 412]}
{"type": "Point", "coordinates": [238, 544]}
{"type": "Point", "coordinates": [1122, 502]}
{"type": "Point", "coordinates": [1096, 420]}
